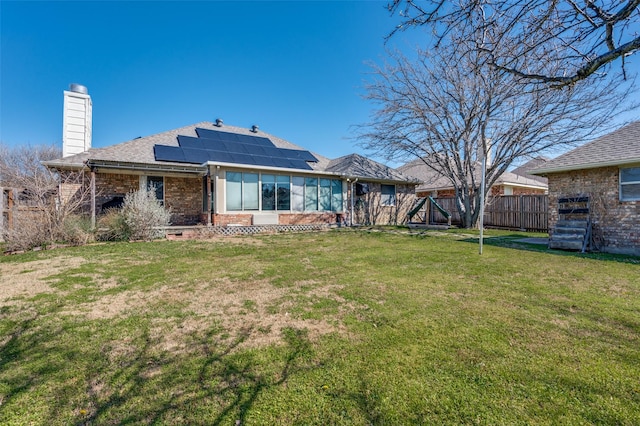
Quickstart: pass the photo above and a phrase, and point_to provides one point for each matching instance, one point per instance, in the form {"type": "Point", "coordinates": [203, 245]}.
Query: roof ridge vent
{"type": "Point", "coordinates": [219, 122]}
{"type": "Point", "coordinates": [254, 128]}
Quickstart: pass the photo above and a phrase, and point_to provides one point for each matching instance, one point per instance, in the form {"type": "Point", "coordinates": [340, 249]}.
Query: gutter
{"type": "Point", "coordinates": [147, 167]}
{"type": "Point", "coordinates": [269, 168]}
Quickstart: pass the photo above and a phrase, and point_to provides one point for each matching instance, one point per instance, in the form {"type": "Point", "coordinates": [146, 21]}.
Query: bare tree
{"type": "Point", "coordinates": [583, 37]}
{"type": "Point", "coordinates": [42, 212]}
{"type": "Point", "coordinates": [451, 110]}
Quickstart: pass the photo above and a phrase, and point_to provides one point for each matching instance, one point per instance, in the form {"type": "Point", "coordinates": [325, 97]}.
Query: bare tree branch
{"type": "Point", "coordinates": [582, 38]}
{"type": "Point", "coordinates": [450, 110]}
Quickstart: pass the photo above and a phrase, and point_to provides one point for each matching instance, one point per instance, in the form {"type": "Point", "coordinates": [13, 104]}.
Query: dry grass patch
{"type": "Point", "coordinates": [29, 279]}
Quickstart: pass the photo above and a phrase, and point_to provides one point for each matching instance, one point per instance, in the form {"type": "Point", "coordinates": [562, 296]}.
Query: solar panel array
{"type": "Point", "coordinates": [225, 147]}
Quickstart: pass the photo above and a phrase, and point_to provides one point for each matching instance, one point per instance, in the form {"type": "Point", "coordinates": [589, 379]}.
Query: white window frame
{"type": "Point", "coordinates": [629, 183]}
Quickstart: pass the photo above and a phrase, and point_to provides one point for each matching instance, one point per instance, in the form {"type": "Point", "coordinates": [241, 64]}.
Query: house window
{"type": "Point", "coordinates": [276, 192]}
{"type": "Point", "coordinates": [156, 183]}
{"type": "Point", "coordinates": [283, 193]}
{"type": "Point", "coordinates": [630, 184]}
{"type": "Point", "coordinates": [325, 195]}
{"type": "Point", "coordinates": [245, 191]}
{"type": "Point", "coordinates": [242, 191]}
{"type": "Point", "coordinates": [234, 191]}
{"type": "Point", "coordinates": [388, 195]}
{"type": "Point", "coordinates": [336, 195]}
{"type": "Point", "coordinates": [297, 193]}
{"type": "Point", "coordinates": [311, 194]}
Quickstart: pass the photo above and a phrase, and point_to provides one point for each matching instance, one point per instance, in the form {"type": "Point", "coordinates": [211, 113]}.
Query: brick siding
{"type": "Point", "coordinates": [616, 224]}
{"type": "Point", "coordinates": [183, 195]}
{"type": "Point", "coordinates": [109, 185]}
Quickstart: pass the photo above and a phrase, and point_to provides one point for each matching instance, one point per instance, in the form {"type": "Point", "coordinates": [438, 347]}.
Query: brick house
{"type": "Point", "coordinates": [216, 174]}
{"type": "Point", "coordinates": [517, 182]}
{"type": "Point", "coordinates": [607, 172]}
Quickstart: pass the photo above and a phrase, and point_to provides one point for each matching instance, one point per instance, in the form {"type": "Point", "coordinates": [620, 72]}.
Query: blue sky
{"type": "Point", "coordinates": [296, 69]}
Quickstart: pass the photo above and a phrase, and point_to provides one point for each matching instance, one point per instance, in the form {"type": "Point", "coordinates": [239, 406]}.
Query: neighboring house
{"type": "Point", "coordinates": [215, 174]}
{"type": "Point", "coordinates": [377, 194]}
{"type": "Point", "coordinates": [510, 183]}
{"type": "Point", "coordinates": [607, 171]}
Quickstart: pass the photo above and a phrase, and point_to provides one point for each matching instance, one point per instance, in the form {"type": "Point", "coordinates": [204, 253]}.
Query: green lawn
{"type": "Point", "coordinates": [338, 327]}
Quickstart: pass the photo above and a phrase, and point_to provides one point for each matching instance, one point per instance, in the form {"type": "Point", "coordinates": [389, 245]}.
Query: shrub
{"type": "Point", "coordinates": [112, 227]}
{"type": "Point", "coordinates": [76, 230]}
{"type": "Point", "coordinates": [144, 215]}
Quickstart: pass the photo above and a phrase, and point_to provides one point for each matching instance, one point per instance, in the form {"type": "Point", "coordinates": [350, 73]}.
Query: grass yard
{"type": "Point", "coordinates": [339, 327]}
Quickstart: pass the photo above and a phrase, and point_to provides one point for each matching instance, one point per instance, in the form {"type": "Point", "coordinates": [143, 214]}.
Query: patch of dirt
{"type": "Point", "coordinates": [254, 312]}
{"type": "Point", "coordinates": [28, 279]}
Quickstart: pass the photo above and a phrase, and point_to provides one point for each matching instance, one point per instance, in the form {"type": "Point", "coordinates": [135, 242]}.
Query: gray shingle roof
{"type": "Point", "coordinates": [357, 166]}
{"type": "Point", "coordinates": [431, 180]}
{"type": "Point", "coordinates": [526, 168]}
{"type": "Point", "coordinates": [140, 150]}
{"type": "Point", "coordinates": [613, 149]}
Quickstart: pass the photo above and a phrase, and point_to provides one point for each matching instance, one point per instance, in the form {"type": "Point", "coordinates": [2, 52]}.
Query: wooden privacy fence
{"type": "Point", "coordinates": [522, 212]}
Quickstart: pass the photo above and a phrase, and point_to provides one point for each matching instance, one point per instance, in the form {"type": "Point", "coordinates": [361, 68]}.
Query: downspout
{"type": "Point", "coordinates": [93, 198]}
{"type": "Point", "coordinates": [208, 195]}
{"type": "Point", "coordinates": [351, 214]}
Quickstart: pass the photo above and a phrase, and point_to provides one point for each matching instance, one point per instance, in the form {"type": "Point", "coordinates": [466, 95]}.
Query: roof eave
{"type": "Point", "coordinates": [547, 170]}
{"type": "Point", "coordinates": [60, 165]}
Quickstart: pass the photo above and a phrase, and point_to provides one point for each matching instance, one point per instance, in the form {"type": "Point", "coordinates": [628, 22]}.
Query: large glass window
{"type": "Point", "coordinates": [245, 191]}
{"type": "Point", "coordinates": [311, 194]}
{"type": "Point", "coordinates": [250, 191]}
{"type": "Point", "coordinates": [283, 197]}
{"type": "Point", "coordinates": [297, 193]}
{"type": "Point", "coordinates": [630, 184]}
{"type": "Point", "coordinates": [336, 195]}
{"type": "Point", "coordinates": [234, 191]}
{"type": "Point", "coordinates": [242, 191]}
{"type": "Point", "coordinates": [388, 195]}
{"type": "Point", "coordinates": [325, 195]}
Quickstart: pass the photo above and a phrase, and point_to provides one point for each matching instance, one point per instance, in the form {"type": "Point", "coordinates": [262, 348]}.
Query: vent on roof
{"type": "Point", "coordinates": [254, 128]}
{"type": "Point", "coordinates": [78, 88]}
{"type": "Point", "coordinates": [219, 122]}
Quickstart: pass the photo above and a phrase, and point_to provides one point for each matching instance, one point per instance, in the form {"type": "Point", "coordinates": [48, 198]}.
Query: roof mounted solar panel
{"type": "Point", "coordinates": [191, 142]}
{"type": "Point", "coordinates": [299, 154]}
{"type": "Point", "coordinates": [196, 156]}
{"type": "Point", "coordinates": [169, 153]}
{"type": "Point", "coordinates": [233, 137]}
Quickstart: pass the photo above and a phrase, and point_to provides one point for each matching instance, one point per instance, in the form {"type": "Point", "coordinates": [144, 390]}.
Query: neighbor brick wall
{"type": "Point", "coordinates": [527, 191]}
{"type": "Point", "coordinates": [616, 223]}
{"type": "Point", "coordinates": [368, 208]}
